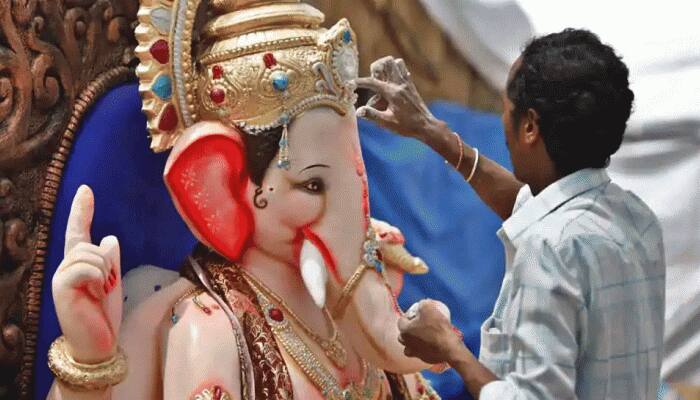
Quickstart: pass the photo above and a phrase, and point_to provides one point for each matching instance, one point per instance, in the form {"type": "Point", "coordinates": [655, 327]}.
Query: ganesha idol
{"type": "Point", "coordinates": [289, 295]}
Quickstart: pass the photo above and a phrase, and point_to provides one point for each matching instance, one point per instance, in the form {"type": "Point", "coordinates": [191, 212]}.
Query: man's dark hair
{"type": "Point", "coordinates": [580, 89]}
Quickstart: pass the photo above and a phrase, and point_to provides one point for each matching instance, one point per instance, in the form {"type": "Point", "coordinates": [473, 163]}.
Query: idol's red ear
{"type": "Point", "coordinates": [207, 178]}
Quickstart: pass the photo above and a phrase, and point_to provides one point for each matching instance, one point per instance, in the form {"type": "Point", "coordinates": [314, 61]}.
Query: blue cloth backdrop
{"type": "Point", "coordinates": [410, 186]}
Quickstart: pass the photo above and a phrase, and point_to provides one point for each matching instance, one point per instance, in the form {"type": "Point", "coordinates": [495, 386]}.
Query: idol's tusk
{"type": "Point", "coordinates": [314, 272]}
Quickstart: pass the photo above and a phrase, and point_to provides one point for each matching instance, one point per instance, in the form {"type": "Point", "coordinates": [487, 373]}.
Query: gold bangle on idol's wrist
{"type": "Point", "coordinates": [85, 377]}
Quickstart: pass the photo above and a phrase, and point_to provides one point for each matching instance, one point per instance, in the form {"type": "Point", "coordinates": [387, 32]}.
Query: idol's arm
{"type": "Point", "coordinates": [199, 353]}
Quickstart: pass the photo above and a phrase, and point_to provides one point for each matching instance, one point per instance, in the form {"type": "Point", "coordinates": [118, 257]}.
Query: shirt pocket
{"type": "Point", "coordinates": [495, 346]}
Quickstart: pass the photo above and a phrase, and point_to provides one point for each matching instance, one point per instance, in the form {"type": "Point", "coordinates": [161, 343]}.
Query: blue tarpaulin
{"type": "Point", "coordinates": [410, 187]}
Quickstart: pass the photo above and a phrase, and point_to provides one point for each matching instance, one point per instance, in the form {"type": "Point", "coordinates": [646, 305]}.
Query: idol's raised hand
{"type": "Point", "coordinates": [87, 287]}
{"type": "Point", "coordinates": [397, 104]}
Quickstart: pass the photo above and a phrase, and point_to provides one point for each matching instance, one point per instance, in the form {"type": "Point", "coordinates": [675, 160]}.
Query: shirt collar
{"type": "Point", "coordinates": [529, 210]}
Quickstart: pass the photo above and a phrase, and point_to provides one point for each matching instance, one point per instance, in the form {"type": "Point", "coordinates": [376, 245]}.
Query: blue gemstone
{"type": "Point", "coordinates": [163, 87]}
{"type": "Point", "coordinates": [283, 164]}
{"type": "Point", "coordinates": [280, 81]}
{"type": "Point", "coordinates": [347, 36]}
{"type": "Point", "coordinates": [160, 18]}
{"type": "Point", "coordinates": [284, 119]}
{"type": "Point", "coordinates": [174, 319]}
{"type": "Point", "coordinates": [379, 266]}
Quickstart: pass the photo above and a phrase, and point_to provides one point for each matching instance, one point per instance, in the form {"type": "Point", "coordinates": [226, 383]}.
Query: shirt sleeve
{"type": "Point", "coordinates": [543, 320]}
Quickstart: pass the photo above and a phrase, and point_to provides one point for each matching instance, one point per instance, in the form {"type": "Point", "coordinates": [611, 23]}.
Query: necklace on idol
{"type": "Point", "coordinates": [307, 360]}
{"type": "Point", "coordinates": [332, 347]}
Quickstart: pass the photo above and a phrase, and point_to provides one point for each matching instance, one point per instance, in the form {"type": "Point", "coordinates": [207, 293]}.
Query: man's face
{"type": "Point", "coordinates": [513, 129]}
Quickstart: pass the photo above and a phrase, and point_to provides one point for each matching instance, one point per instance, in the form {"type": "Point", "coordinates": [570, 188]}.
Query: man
{"type": "Point", "coordinates": [581, 308]}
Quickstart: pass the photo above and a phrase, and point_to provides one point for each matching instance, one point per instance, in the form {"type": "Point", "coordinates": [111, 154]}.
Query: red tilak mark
{"type": "Point", "coordinates": [206, 310]}
{"type": "Point", "coordinates": [327, 256]}
{"type": "Point", "coordinates": [269, 60]}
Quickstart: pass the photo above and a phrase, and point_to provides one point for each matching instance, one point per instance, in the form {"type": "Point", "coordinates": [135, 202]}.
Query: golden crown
{"type": "Point", "coordinates": [261, 64]}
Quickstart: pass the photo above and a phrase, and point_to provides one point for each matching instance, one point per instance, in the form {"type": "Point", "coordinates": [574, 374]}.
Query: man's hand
{"type": "Point", "coordinates": [397, 104]}
{"type": "Point", "coordinates": [427, 333]}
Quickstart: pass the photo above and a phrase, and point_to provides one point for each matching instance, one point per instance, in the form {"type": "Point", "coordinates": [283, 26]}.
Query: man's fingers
{"type": "Point", "coordinates": [80, 218]}
{"type": "Point", "coordinates": [405, 325]}
{"type": "Point", "coordinates": [377, 102]}
{"type": "Point", "coordinates": [375, 85]}
{"type": "Point", "coordinates": [373, 114]}
{"type": "Point", "coordinates": [401, 67]}
{"type": "Point", "coordinates": [379, 68]}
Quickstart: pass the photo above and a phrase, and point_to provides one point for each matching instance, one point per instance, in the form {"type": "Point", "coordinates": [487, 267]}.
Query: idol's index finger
{"type": "Point", "coordinates": [80, 218]}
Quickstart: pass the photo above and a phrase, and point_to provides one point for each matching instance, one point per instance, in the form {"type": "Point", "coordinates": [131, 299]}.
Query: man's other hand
{"type": "Point", "coordinates": [427, 333]}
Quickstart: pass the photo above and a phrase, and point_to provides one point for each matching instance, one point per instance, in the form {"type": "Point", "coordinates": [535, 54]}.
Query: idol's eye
{"type": "Point", "coordinates": [313, 186]}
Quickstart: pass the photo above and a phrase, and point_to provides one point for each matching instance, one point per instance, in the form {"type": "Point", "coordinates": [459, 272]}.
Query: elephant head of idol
{"type": "Point", "coordinates": [266, 152]}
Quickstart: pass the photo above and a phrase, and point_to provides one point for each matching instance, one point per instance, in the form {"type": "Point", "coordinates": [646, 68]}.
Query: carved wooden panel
{"type": "Point", "coordinates": [52, 53]}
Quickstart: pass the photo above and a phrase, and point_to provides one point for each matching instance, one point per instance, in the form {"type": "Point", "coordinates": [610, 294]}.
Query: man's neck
{"type": "Point", "coordinates": [544, 178]}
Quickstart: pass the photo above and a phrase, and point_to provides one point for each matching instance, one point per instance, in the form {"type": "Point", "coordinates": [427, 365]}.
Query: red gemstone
{"type": "Point", "coordinates": [217, 95]}
{"type": "Point", "coordinates": [168, 119]}
{"type": "Point", "coordinates": [276, 314]}
{"type": "Point", "coordinates": [421, 389]}
{"type": "Point", "coordinates": [270, 60]}
{"type": "Point", "coordinates": [160, 51]}
{"type": "Point", "coordinates": [217, 393]}
{"type": "Point", "coordinates": [217, 71]}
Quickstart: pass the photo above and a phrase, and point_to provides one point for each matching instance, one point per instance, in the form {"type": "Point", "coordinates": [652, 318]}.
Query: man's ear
{"type": "Point", "coordinates": [531, 126]}
{"type": "Point", "coordinates": [207, 178]}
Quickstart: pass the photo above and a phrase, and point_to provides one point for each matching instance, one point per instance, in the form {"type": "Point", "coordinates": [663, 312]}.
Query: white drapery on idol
{"type": "Point", "coordinates": [660, 160]}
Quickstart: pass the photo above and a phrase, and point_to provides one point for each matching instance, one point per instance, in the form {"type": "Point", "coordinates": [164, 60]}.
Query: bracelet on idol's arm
{"type": "Point", "coordinates": [85, 377]}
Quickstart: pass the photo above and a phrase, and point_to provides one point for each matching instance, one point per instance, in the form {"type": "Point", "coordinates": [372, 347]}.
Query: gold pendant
{"type": "Point", "coordinates": [335, 351]}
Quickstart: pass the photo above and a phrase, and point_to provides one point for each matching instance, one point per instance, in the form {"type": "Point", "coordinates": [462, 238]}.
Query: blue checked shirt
{"type": "Point", "coordinates": [581, 310]}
